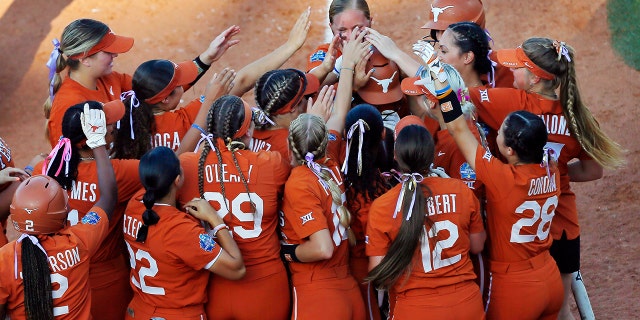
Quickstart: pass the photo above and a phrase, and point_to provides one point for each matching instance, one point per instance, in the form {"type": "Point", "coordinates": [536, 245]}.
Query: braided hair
{"type": "Point", "coordinates": [558, 59]}
{"type": "Point", "coordinates": [308, 134]}
{"type": "Point", "coordinates": [36, 278]}
{"type": "Point", "coordinates": [470, 37]}
{"type": "Point", "coordinates": [225, 117]}
{"type": "Point", "coordinates": [275, 89]}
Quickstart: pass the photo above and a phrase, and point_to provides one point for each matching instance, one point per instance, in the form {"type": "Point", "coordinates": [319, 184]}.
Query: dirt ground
{"type": "Point", "coordinates": [179, 30]}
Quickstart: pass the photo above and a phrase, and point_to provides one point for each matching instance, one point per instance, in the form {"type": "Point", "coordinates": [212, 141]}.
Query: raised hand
{"type": "Point", "coordinates": [428, 54]}
{"type": "Point", "coordinates": [324, 103]}
{"type": "Point", "coordinates": [202, 209]}
{"type": "Point", "coordinates": [219, 45]}
{"type": "Point", "coordinates": [298, 34]}
{"type": "Point", "coordinates": [384, 44]}
{"type": "Point", "coordinates": [219, 85]}
{"type": "Point", "coordinates": [94, 126]}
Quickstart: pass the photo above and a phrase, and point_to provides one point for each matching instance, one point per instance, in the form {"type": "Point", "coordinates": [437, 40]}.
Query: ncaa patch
{"type": "Point", "coordinates": [91, 218]}
{"type": "Point", "coordinates": [332, 137]}
{"type": "Point", "coordinates": [206, 242]}
{"type": "Point", "coordinates": [317, 56]}
{"type": "Point", "coordinates": [466, 172]}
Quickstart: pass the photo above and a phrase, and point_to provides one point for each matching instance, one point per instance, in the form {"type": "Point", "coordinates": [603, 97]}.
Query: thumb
{"type": "Point", "coordinates": [309, 103]}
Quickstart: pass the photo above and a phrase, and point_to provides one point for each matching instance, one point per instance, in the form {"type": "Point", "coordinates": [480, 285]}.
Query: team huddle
{"type": "Point", "coordinates": [370, 184]}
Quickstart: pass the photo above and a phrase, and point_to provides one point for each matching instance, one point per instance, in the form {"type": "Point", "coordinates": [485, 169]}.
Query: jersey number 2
{"type": "Point", "coordinates": [543, 213]}
{"type": "Point", "coordinates": [151, 271]}
{"type": "Point", "coordinates": [432, 260]}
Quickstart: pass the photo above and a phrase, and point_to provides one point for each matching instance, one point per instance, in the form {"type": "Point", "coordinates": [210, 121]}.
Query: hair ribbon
{"type": "Point", "coordinates": [362, 126]}
{"type": "Point", "coordinates": [64, 144]}
{"type": "Point", "coordinates": [408, 180]}
{"type": "Point", "coordinates": [134, 103]}
{"type": "Point", "coordinates": [34, 240]}
{"type": "Point", "coordinates": [561, 48]}
{"type": "Point", "coordinates": [52, 65]}
{"type": "Point", "coordinates": [548, 156]}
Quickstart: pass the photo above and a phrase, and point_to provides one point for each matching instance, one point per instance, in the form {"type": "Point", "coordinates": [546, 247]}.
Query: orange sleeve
{"type": "Point", "coordinates": [317, 56]}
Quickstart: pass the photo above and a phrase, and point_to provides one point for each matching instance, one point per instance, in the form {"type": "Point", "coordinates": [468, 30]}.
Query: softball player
{"type": "Point", "coordinates": [428, 267]}
{"type": "Point", "coordinates": [170, 253]}
{"type": "Point", "coordinates": [540, 66]}
{"type": "Point", "coordinates": [281, 95]}
{"type": "Point", "coordinates": [45, 272]}
{"type": "Point", "coordinates": [108, 271]}
{"type": "Point", "coordinates": [522, 196]}
{"type": "Point", "coordinates": [87, 48]}
{"type": "Point", "coordinates": [315, 231]}
{"type": "Point", "coordinates": [245, 188]}
{"type": "Point", "coordinates": [6, 161]}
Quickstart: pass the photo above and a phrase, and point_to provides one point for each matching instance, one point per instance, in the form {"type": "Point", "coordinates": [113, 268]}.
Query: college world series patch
{"type": "Point", "coordinates": [206, 242]}
{"type": "Point", "coordinates": [91, 218]}
{"type": "Point", "coordinates": [317, 56]}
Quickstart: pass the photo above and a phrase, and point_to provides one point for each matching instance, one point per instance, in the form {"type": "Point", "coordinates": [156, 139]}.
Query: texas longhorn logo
{"type": "Point", "coordinates": [437, 11]}
{"type": "Point", "coordinates": [384, 83]}
{"type": "Point", "coordinates": [29, 211]}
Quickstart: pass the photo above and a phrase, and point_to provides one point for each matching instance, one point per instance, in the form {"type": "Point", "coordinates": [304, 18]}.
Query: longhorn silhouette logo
{"type": "Point", "coordinates": [437, 11]}
{"type": "Point", "coordinates": [384, 83]}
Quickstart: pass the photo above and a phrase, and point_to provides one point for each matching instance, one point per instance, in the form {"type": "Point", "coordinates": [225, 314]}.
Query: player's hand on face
{"type": "Point", "coordinates": [94, 126]}
{"type": "Point", "coordinates": [220, 44]}
{"type": "Point", "coordinates": [330, 58]}
{"type": "Point", "coordinates": [298, 34]}
{"type": "Point", "coordinates": [324, 103]}
{"type": "Point", "coordinates": [10, 174]}
{"type": "Point", "coordinates": [355, 49]}
{"type": "Point", "coordinates": [384, 44]}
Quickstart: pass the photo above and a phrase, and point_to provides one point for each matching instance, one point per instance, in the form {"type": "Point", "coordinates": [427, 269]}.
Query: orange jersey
{"type": "Point", "coordinates": [309, 208]}
{"type": "Point", "coordinates": [5, 156]}
{"type": "Point", "coordinates": [265, 173]}
{"type": "Point", "coordinates": [449, 158]}
{"type": "Point", "coordinates": [85, 192]}
{"type": "Point", "coordinates": [521, 201]}
{"type": "Point", "coordinates": [68, 253]}
{"type": "Point", "coordinates": [108, 88]}
{"type": "Point", "coordinates": [172, 126]}
{"type": "Point", "coordinates": [170, 268]}
{"type": "Point", "coordinates": [271, 140]}
{"type": "Point", "coordinates": [315, 59]}
{"type": "Point", "coordinates": [493, 105]}
{"type": "Point", "coordinates": [444, 259]}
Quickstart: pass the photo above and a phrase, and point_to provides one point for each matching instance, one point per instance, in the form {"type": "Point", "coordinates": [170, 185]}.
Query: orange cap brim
{"type": "Point", "coordinates": [113, 111]}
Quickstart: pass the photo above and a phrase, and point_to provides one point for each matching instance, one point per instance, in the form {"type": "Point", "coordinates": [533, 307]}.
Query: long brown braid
{"type": "Point", "coordinates": [308, 133]}
{"type": "Point", "coordinates": [36, 277]}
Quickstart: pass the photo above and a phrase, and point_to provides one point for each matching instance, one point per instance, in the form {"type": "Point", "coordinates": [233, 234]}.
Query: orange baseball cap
{"type": "Point", "coordinates": [183, 74]}
{"type": "Point", "coordinates": [384, 85]}
{"type": "Point", "coordinates": [110, 43]}
{"type": "Point", "coordinates": [410, 88]}
{"type": "Point", "coordinates": [407, 121]}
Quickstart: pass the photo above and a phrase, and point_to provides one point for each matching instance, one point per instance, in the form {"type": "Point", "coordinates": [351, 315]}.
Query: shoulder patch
{"type": "Point", "coordinates": [332, 137]}
{"type": "Point", "coordinates": [466, 172]}
{"type": "Point", "coordinates": [317, 56]}
{"type": "Point", "coordinates": [206, 242]}
{"type": "Point", "coordinates": [91, 218]}
{"type": "Point", "coordinates": [307, 217]}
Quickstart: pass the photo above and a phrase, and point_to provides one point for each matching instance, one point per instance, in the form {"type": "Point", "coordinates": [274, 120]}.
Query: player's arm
{"type": "Point", "coordinates": [355, 52]}
{"type": "Point", "coordinates": [390, 50]}
{"type": "Point", "coordinates": [229, 264]}
{"type": "Point", "coordinates": [477, 241]}
{"type": "Point", "coordinates": [318, 247]}
{"type": "Point", "coordinates": [94, 126]}
{"type": "Point", "coordinates": [585, 170]}
{"type": "Point", "coordinates": [374, 261]}
{"type": "Point", "coordinates": [247, 76]}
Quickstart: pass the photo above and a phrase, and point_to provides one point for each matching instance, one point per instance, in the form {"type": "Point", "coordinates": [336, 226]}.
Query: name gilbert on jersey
{"type": "Point", "coordinates": [441, 203]}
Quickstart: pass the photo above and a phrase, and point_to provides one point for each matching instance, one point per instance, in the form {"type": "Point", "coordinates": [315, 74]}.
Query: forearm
{"type": "Point", "coordinates": [106, 181]}
{"type": "Point", "coordinates": [343, 98]}
{"type": "Point", "coordinates": [247, 76]}
{"type": "Point", "coordinates": [585, 170]}
{"type": "Point", "coordinates": [406, 63]}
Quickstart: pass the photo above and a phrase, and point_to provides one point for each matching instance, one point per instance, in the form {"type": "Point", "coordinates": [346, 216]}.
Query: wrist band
{"type": "Point", "coordinates": [202, 67]}
{"type": "Point", "coordinates": [28, 169]}
{"type": "Point", "coordinates": [202, 98]}
{"type": "Point", "coordinates": [352, 71]}
{"type": "Point", "coordinates": [441, 92]}
{"type": "Point", "coordinates": [450, 107]}
{"type": "Point", "coordinates": [288, 252]}
{"type": "Point", "coordinates": [199, 128]}
{"type": "Point", "coordinates": [419, 72]}
{"type": "Point", "coordinates": [218, 228]}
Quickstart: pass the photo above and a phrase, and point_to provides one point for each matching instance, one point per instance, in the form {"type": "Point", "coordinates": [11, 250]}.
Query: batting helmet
{"type": "Point", "coordinates": [445, 12]}
{"type": "Point", "coordinates": [39, 206]}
